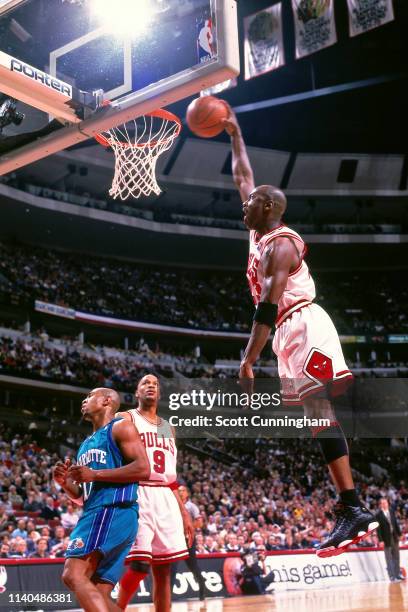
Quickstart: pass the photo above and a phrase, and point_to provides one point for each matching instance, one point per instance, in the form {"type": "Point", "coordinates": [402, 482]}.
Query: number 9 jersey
{"type": "Point", "coordinates": [160, 446]}
{"type": "Point", "coordinates": [160, 538]}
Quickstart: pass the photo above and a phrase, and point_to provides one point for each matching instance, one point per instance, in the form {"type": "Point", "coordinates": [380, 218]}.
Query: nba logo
{"type": "Point", "coordinates": [205, 41]}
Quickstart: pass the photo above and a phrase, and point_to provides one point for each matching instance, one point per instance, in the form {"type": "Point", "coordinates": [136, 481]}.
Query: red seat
{"type": "Point", "coordinates": [54, 523]}
{"type": "Point", "coordinates": [33, 514]}
{"type": "Point", "coordinates": [19, 513]}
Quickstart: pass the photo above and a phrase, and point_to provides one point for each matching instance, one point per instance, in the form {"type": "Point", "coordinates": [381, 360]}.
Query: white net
{"type": "Point", "coordinates": [137, 145]}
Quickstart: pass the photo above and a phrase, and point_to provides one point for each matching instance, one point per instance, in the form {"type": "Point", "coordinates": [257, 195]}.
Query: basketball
{"type": "Point", "coordinates": [205, 114]}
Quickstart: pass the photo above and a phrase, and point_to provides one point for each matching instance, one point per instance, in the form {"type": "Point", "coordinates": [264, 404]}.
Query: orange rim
{"type": "Point", "coordinates": [161, 114]}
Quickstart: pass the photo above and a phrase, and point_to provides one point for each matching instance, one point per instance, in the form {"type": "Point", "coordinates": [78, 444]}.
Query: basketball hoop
{"type": "Point", "coordinates": [137, 145]}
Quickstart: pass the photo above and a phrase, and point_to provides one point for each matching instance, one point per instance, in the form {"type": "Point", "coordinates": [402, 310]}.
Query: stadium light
{"type": "Point", "coordinates": [124, 18]}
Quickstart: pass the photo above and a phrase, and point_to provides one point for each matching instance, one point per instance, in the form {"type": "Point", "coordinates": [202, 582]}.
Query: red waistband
{"type": "Point", "coordinates": [290, 310]}
{"type": "Point", "coordinates": [172, 485]}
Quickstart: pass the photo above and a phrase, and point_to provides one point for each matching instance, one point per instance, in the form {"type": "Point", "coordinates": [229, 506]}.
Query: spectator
{"type": "Point", "coordinates": [58, 536]}
{"type": "Point", "coordinates": [389, 533]}
{"type": "Point", "coordinates": [41, 549]}
{"type": "Point", "coordinates": [4, 517]}
{"type": "Point", "coordinates": [199, 541]}
{"type": "Point", "coordinates": [210, 544]}
{"type": "Point", "coordinates": [14, 498]}
{"type": "Point", "coordinates": [49, 512]}
{"type": "Point", "coordinates": [18, 549]}
{"type": "Point", "coordinates": [4, 550]}
{"type": "Point", "coordinates": [69, 518]}
{"type": "Point", "coordinates": [45, 533]}
{"type": "Point", "coordinates": [31, 504]}
{"type": "Point", "coordinates": [32, 539]}
{"type": "Point", "coordinates": [20, 530]}
{"type": "Point", "coordinates": [274, 543]}
{"type": "Point", "coordinates": [8, 506]}
{"type": "Point", "coordinates": [232, 543]}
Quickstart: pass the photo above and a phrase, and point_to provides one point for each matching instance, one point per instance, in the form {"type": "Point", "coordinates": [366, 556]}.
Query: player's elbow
{"type": "Point", "coordinates": [238, 179]}
{"type": "Point", "coordinates": [144, 469]}
{"type": "Point", "coordinates": [241, 181]}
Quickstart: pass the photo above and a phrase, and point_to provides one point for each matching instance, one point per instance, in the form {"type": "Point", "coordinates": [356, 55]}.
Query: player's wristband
{"type": "Point", "coordinates": [266, 313]}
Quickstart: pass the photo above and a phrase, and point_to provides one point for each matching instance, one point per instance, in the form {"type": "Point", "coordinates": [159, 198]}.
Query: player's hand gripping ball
{"type": "Point", "coordinates": [205, 116]}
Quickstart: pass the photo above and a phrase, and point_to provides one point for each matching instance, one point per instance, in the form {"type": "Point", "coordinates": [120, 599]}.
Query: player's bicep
{"type": "Point", "coordinates": [128, 440]}
{"type": "Point", "coordinates": [279, 261]}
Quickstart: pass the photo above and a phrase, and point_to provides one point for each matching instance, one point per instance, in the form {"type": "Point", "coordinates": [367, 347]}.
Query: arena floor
{"type": "Point", "coordinates": [367, 597]}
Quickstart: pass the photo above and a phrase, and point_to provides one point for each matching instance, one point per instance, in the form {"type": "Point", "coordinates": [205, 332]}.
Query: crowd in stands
{"type": "Point", "coordinates": [251, 494]}
{"type": "Point", "coordinates": [68, 361]}
{"type": "Point", "coordinates": [35, 517]}
{"type": "Point", "coordinates": [38, 356]}
{"type": "Point", "coordinates": [367, 302]}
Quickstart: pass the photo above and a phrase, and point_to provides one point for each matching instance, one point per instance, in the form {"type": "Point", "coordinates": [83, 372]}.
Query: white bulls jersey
{"type": "Point", "coordinates": [160, 448]}
{"type": "Point", "coordinates": [300, 288]}
{"type": "Point", "coordinates": [160, 537]}
{"type": "Point", "coordinates": [310, 358]}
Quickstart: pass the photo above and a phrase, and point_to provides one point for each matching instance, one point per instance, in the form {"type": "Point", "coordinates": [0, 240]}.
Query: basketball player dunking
{"type": "Point", "coordinates": [310, 359]}
{"type": "Point", "coordinates": [164, 524]}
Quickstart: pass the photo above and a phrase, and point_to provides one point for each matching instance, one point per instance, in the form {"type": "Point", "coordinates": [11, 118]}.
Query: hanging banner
{"type": "Point", "coordinates": [366, 15]}
{"type": "Point", "coordinates": [263, 42]}
{"type": "Point", "coordinates": [314, 25]}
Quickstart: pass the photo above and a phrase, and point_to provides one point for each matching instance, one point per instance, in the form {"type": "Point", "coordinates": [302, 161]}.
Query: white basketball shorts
{"type": "Point", "coordinates": [310, 357]}
{"type": "Point", "coordinates": [160, 538]}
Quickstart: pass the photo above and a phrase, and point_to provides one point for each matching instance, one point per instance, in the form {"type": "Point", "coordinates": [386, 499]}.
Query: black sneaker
{"type": "Point", "coordinates": [353, 523]}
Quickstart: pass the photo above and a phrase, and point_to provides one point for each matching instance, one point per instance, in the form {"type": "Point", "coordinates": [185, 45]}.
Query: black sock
{"type": "Point", "coordinates": [350, 497]}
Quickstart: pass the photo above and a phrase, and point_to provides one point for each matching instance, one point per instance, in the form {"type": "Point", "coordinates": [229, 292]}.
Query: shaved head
{"type": "Point", "coordinates": [276, 195]}
{"type": "Point", "coordinates": [264, 208]}
{"type": "Point", "coordinates": [110, 394]}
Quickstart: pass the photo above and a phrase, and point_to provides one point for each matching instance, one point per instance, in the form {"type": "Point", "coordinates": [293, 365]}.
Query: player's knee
{"type": "Point", "coordinates": [318, 408]}
{"type": "Point", "coordinates": [70, 579]}
{"type": "Point", "coordinates": [140, 567]}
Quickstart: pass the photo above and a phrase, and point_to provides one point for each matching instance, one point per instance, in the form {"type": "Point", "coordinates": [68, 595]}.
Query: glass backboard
{"type": "Point", "coordinates": [143, 54]}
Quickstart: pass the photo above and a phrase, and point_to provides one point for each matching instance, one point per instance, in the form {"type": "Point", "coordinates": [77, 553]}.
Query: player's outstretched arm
{"type": "Point", "coordinates": [278, 263]}
{"type": "Point", "coordinates": [241, 166]}
{"type": "Point", "coordinates": [138, 468]}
